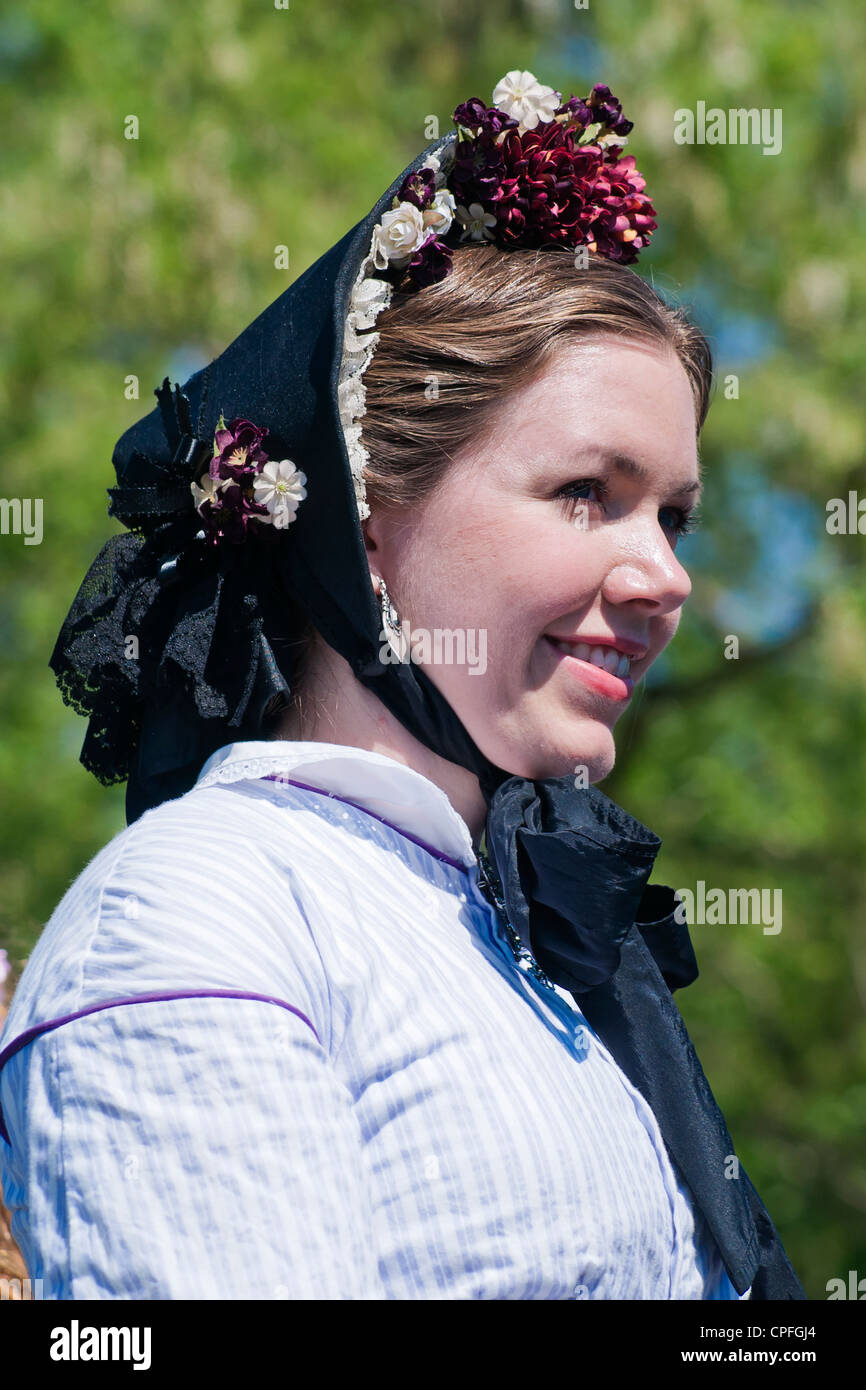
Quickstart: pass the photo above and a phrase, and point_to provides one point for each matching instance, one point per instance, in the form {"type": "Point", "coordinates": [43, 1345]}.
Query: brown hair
{"type": "Point", "coordinates": [486, 330]}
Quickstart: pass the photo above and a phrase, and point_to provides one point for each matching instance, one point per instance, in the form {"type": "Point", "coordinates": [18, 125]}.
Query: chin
{"type": "Point", "coordinates": [591, 746]}
{"type": "Point", "coordinates": [596, 753]}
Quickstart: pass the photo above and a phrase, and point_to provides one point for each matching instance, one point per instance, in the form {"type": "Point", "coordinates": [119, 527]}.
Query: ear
{"type": "Point", "coordinates": [372, 551]}
{"type": "Point", "coordinates": [378, 528]}
{"type": "Point", "coordinates": [369, 532]}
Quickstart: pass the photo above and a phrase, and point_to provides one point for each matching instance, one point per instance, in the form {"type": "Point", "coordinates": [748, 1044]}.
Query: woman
{"type": "Point", "coordinates": [371, 999]}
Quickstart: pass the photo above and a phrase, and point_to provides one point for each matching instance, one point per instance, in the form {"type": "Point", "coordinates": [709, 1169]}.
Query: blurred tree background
{"type": "Point", "coordinates": [261, 126]}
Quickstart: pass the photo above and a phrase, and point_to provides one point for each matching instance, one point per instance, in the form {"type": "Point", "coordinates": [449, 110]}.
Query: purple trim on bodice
{"type": "Point", "coordinates": [30, 1033]}
{"type": "Point", "coordinates": [422, 844]}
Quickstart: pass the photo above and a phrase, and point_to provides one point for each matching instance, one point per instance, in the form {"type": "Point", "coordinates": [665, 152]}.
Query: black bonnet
{"type": "Point", "coordinates": [210, 650]}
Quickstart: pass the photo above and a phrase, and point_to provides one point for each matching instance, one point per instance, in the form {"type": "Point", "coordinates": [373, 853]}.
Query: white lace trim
{"type": "Point", "coordinates": [370, 295]}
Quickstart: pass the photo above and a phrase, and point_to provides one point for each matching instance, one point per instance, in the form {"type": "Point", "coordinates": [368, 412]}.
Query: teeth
{"type": "Point", "coordinates": [617, 663]}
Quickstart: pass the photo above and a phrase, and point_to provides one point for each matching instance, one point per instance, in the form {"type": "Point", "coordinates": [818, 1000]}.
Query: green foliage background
{"type": "Point", "coordinates": [261, 126]}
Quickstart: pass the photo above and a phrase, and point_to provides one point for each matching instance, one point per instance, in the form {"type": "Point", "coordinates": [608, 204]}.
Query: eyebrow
{"type": "Point", "coordinates": [624, 463]}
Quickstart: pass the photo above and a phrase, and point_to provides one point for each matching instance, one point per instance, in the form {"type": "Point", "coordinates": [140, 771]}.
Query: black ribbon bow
{"type": "Point", "coordinates": [166, 492]}
{"type": "Point", "coordinates": [575, 880]}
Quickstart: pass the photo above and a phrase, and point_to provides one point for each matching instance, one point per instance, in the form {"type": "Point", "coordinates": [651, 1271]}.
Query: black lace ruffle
{"type": "Point", "coordinates": [163, 621]}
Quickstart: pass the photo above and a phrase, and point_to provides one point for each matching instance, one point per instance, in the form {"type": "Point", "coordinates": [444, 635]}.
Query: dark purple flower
{"type": "Point", "coordinates": [479, 164]}
{"type": "Point", "coordinates": [479, 167]}
{"type": "Point", "coordinates": [578, 111]}
{"type": "Point", "coordinates": [605, 108]}
{"type": "Point", "coordinates": [238, 458]}
{"type": "Point", "coordinates": [239, 454]}
{"type": "Point", "coordinates": [429, 264]}
{"type": "Point", "coordinates": [485, 120]}
{"type": "Point", "coordinates": [228, 518]}
{"type": "Point", "coordinates": [418, 188]}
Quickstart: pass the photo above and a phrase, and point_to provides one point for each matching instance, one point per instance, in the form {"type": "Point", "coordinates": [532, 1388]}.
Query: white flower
{"type": "Point", "coordinates": [528, 101]}
{"type": "Point", "coordinates": [280, 486]}
{"type": "Point", "coordinates": [206, 489]}
{"type": "Point", "coordinates": [475, 222]}
{"type": "Point", "coordinates": [440, 214]}
{"type": "Point", "coordinates": [400, 232]}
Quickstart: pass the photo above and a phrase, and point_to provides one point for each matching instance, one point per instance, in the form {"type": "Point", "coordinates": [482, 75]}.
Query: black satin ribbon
{"type": "Point", "coordinates": [169, 494]}
{"type": "Point", "coordinates": [573, 866]}
{"type": "Point", "coordinates": [573, 869]}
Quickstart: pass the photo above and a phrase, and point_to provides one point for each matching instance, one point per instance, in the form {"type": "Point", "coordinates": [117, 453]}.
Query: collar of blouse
{"type": "Point", "coordinates": [390, 790]}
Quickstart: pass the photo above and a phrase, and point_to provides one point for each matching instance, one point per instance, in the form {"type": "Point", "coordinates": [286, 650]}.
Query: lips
{"type": "Point", "coordinates": [610, 659]}
{"type": "Point", "coordinates": [603, 650]}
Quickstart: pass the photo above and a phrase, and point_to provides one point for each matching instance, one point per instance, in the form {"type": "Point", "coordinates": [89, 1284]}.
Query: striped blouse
{"type": "Point", "coordinates": [273, 1043]}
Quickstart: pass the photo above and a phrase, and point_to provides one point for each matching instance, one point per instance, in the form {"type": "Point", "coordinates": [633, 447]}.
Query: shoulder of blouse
{"type": "Point", "coordinates": [201, 892]}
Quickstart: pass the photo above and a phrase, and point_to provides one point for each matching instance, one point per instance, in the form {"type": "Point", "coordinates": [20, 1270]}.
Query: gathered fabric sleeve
{"type": "Point", "coordinates": [192, 1147]}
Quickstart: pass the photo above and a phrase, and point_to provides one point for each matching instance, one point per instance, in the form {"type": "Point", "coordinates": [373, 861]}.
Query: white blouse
{"type": "Point", "coordinates": [368, 1097]}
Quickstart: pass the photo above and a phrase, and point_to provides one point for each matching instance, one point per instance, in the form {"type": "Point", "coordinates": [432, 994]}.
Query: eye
{"type": "Point", "coordinates": [678, 521]}
{"type": "Point", "coordinates": [681, 522]}
{"type": "Point", "coordinates": [577, 492]}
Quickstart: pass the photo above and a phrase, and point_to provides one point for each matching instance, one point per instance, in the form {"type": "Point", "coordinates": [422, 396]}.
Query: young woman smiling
{"type": "Point", "coordinates": [372, 998]}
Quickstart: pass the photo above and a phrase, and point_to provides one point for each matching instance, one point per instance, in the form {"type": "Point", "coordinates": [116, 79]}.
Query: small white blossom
{"type": "Point", "coordinates": [527, 100]}
{"type": "Point", "coordinates": [400, 232]}
{"type": "Point", "coordinates": [280, 486]}
{"type": "Point", "coordinates": [476, 222]}
{"type": "Point", "coordinates": [206, 489]}
{"type": "Point", "coordinates": [439, 216]}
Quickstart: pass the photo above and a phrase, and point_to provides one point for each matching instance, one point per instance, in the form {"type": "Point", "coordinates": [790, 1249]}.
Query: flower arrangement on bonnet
{"type": "Point", "coordinates": [531, 170]}
{"type": "Point", "coordinates": [242, 485]}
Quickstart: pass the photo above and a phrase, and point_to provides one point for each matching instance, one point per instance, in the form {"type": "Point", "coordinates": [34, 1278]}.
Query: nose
{"type": "Point", "coordinates": [646, 569]}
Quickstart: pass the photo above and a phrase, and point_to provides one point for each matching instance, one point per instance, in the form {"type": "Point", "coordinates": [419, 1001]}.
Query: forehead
{"type": "Point", "coordinates": [628, 398]}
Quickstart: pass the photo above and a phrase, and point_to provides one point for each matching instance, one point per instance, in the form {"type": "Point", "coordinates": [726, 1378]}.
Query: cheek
{"type": "Point", "coordinates": [562, 574]}
{"type": "Point", "coordinates": [456, 568]}
{"type": "Point", "coordinates": [475, 562]}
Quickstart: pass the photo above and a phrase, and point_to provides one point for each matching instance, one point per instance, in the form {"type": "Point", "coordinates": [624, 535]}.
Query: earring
{"type": "Point", "coordinates": [391, 625]}
{"type": "Point", "coordinates": [390, 615]}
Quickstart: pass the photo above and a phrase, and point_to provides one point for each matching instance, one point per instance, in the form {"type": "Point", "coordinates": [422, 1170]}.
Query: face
{"type": "Point", "coordinates": [552, 539]}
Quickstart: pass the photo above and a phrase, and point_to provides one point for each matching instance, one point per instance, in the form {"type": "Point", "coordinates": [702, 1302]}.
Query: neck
{"type": "Point", "coordinates": [334, 707]}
